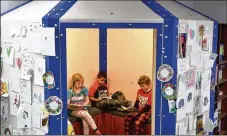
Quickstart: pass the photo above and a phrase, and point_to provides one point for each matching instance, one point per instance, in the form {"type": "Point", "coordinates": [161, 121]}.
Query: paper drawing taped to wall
{"type": "Point", "coordinates": [180, 104]}
{"type": "Point", "coordinates": [25, 89]}
{"type": "Point", "coordinates": [182, 65]}
{"type": "Point", "coordinates": [190, 78]}
{"type": "Point", "coordinates": [24, 116]}
{"type": "Point", "coordinates": [18, 61]}
{"type": "Point", "coordinates": [191, 33]}
{"type": "Point", "coordinates": [14, 103]}
{"type": "Point", "coordinates": [197, 105]}
{"type": "Point", "coordinates": [4, 108]}
{"type": "Point", "coordinates": [8, 55]}
{"type": "Point", "coordinates": [198, 80]}
{"type": "Point", "coordinates": [165, 73]}
{"type": "Point", "coordinates": [4, 86]}
{"type": "Point", "coordinates": [39, 70]}
{"type": "Point", "coordinates": [27, 60]}
{"type": "Point", "coordinates": [200, 125]}
{"type": "Point", "coordinates": [172, 106]}
{"type": "Point", "coordinates": [182, 45]}
{"type": "Point", "coordinates": [6, 130]}
{"type": "Point", "coordinates": [48, 80]}
{"type": "Point", "coordinates": [17, 132]}
{"type": "Point", "coordinates": [26, 73]}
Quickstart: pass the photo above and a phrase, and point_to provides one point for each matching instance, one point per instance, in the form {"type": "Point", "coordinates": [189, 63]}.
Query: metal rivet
{"type": "Point", "coordinates": [164, 15]}
{"type": "Point", "coordinates": [165, 56]}
{"type": "Point", "coordinates": [104, 61]}
{"type": "Point", "coordinates": [43, 25]}
{"type": "Point", "coordinates": [93, 24]}
{"type": "Point", "coordinates": [44, 57]}
{"type": "Point", "coordinates": [159, 115]}
{"type": "Point", "coordinates": [56, 57]}
{"type": "Point", "coordinates": [104, 44]}
{"type": "Point", "coordinates": [57, 118]}
{"type": "Point", "coordinates": [57, 14]}
{"type": "Point", "coordinates": [57, 88]}
{"type": "Point", "coordinates": [63, 117]}
{"type": "Point", "coordinates": [56, 37]}
{"type": "Point", "coordinates": [163, 51]}
{"type": "Point", "coordinates": [164, 116]}
{"type": "Point", "coordinates": [176, 36]}
{"type": "Point", "coordinates": [130, 24]}
{"type": "Point", "coordinates": [163, 48]}
{"type": "Point", "coordinates": [61, 9]}
{"type": "Point", "coordinates": [166, 25]}
{"type": "Point", "coordinates": [166, 36]}
{"type": "Point", "coordinates": [55, 25]}
{"type": "Point", "coordinates": [160, 35]}
{"type": "Point", "coordinates": [53, 9]}
{"type": "Point", "coordinates": [61, 34]}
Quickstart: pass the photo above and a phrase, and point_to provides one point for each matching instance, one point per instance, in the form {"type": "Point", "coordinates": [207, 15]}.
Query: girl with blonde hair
{"type": "Point", "coordinates": [77, 100]}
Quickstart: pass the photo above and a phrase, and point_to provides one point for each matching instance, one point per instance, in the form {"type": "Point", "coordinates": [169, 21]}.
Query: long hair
{"type": "Point", "coordinates": [76, 78]}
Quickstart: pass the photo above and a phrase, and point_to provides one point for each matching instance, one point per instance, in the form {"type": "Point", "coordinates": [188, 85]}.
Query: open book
{"type": "Point", "coordinates": [130, 109]}
{"type": "Point", "coordinates": [74, 106]}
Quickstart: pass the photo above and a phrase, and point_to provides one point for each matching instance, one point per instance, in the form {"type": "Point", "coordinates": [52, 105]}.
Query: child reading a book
{"type": "Point", "coordinates": [77, 101]}
{"type": "Point", "coordinates": [134, 120]}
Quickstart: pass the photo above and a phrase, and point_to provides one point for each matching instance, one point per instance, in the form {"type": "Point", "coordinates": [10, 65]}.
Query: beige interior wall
{"type": "Point", "coordinates": [82, 47]}
{"type": "Point", "coordinates": [129, 55]}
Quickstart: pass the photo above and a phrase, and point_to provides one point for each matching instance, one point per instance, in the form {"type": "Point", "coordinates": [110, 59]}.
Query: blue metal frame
{"type": "Point", "coordinates": [103, 52]}
{"type": "Point", "coordinates": [169, 49]}
{"type": "Point", "coordinates": [213, 76]}
{"type": "Point", "coordinates": [16, 7]}
{"type": "Point", "coordinates": [57, 124]}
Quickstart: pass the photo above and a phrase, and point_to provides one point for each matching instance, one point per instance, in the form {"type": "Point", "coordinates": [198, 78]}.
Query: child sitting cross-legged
{"type": "Point", "coordinates": [134, 120]}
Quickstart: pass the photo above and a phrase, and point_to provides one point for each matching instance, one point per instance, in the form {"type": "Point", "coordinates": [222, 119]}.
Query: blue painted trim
{"type": "Point", "coordinates": [103, 50]}
{"type": "Point", "coordinates": [103, 27]}
{"type": "Point", "coordinates": [57, 124]}
{"type": "Point", "coordinates": [16, 7]}
{"type": "Point", "coordinates": [169, 56]}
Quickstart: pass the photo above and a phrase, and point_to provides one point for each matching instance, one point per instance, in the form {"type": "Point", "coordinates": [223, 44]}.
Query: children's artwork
{"type": "Point", "coordinates": [198, 80]}
{"type": "Point", "coordinates": [27, 60]}
{"type": "Point", "coordinates": [165, 73]}
{"type": "Point", "coordinates": [37, 98]}
{"type": "Point", "coordinates": [15, 80]}
{"type": "Point", "coordinates": [205, 43]}
{"type": "Point", "coordinates": [183, 28]}
{"type": "Point", "coordinates": [25, 89]}
{"type": "Point", "coordinates": [191, 78]}
{"type": "Point", "coordinates": [172, 106]}
{"type": "Point", "coordinates": [200, 125]}
{"type": "Point", "coordinates": [1, 63]}
{"type": "Point", "coordinates": [190, 122]}
{"type": "Point", "coordinates": [8, 55]}
{"type": "Point", "coordinates": [5, 109]}
{"type": "Point", "coordinates": [6, 130]}
{"type": "Point", "coordinates": [205, 100]}
{"type": "Point", "coordinates": [209, 60]}
{"type": "Point", "coordinates": [197, 105]}
{"type": "Point", "coordinates": [181, 127]}
{"type": "Point", "coordinates": [48, 41]}
{"type": "Point", "coordinates": [24, 116]}
{"type": "Point", "coordinates": [196, 59]}
{"type": "Point", "coordinates": [182, 45]}
{"type": "Point", "coordinates": [191, 33]}
{"type": "Point", "coordinates": [34, 42]}
{"type": "Point", "coordinates": [182, 65]}
{"type": "Point", "coordinates": [14, 103]}
{"type": "Point", "coordinates": [48, 80]}
{"type": "Point", "coordinates": [189, 95]}
{"type": "Point", "coordinates": [169, 91]}
{"type": "Point", "coordinates": [181, 85]}
{"type": "Point", "coordinates": [17, 131]}
{"type": "Point", "coordinates": [18, 62]}
{"type": "Point", "coordinates": [206, 80]}
{"type": "Point", "coordinates": [36, 115]}
{"type": "Point", "coordinates": [26, 73]}
{"type": "Point", "coordinates": [54, 105]}
{"type": "Point", "coordinates": [4, 86]}
{"type": "Point", "coordinates": [17, 47]}
{"type": "Point", "coordinates": [39, 70]}
{"type": "Point", "coordinates": [180, 108]}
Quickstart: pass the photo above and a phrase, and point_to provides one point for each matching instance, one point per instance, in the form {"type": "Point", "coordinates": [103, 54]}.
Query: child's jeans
{"type": "Point", "coordinates": [87, 120]}
{"type": "Point", "coordinates": [133, 123]}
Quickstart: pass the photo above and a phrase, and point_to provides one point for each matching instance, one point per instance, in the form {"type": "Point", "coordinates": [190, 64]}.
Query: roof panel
{"type": "Point", "coordinates": [180, 11]}
{"type": "Point", "coordinates": [110, 11]}
{"type": "Point", "coordinates": [34, 10]}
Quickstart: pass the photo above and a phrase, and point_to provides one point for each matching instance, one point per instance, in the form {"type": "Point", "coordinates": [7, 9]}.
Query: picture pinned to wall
{"type": "Point", "coordinates": [200, 125]}
{"type": "Point", "coordinates": [27, 60]}
{"type": "Point", "coordinates": [189, 95]}
{"type": "Point", "coordinates": [198, 80]}
{"type": "Point", "coordinates": [25, 89]}
{"type": "Point", "coordinates": [203, 39]}
{"type": "Point", "coordinates": [196, 59]}
{"type": "Point", "coordinates": [172, 106]}
{"type": "Point", "coordinates": [17, 46]}
{"type": "Point", "coordinates": [183, 28]}
{"type": "Point", "coordinates": [15, 80]}
{"type": "Point", "coordinates": [182, 65]}
{"type": "Point", "coordinates": [6, 130]}
{"type": "Point", "coordinates": [48, 41]}
{"type": "Point", "coordinates": [182, 45]}
{"type": "Point", "coordinates": [191, 33]}
{"type": "Point", "coordinates": [34, 43]}
{"type": "Point", "coordinates": [37, 98]}
{"type": "Point", "coordinates": [18, 62]}
{"type": "Point", "coordinates": [24, 116]}
{"type": "Point", "coordinates": [169, 91]}
{"type": "Point", "coordinates": [17, 131]}
{"type": "Point", "coordinates": [206, 81]}
{"type": "Point", "coordinates": [8, 55]}
{"type": "Point", "coordinates": [209, 60]}
{"type": "Point", "coordinates": [36, 115]}
{"type": "Point", "coordinates": [181, 127]}
{"type": "Point", "coordinates": [4, 86]}
{"type": "Point", "coordinates": [48, 80]}
{"type": "Point", "coordinates": [5, 109]}
{"type": "Point", "coordinates": [165, 73]}
{"type": "Point", "coordinates": [14, 103]}
{"type": "Point", "coordinates": [54, 105]}
{"type": "Point", "coordinates": [39, 70]}
{"type": "Point", "coordinates": [191, 78]}
{"type": "Point", "coordinates": [197, 105]}
{"type": "Point", "coordinates": [26, 73]}
{"type": "Point", "coordinates": [180, 108]}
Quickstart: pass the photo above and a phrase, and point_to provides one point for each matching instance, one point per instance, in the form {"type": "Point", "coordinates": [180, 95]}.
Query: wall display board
{"type": "Point", "coordinates": [43, 48]}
